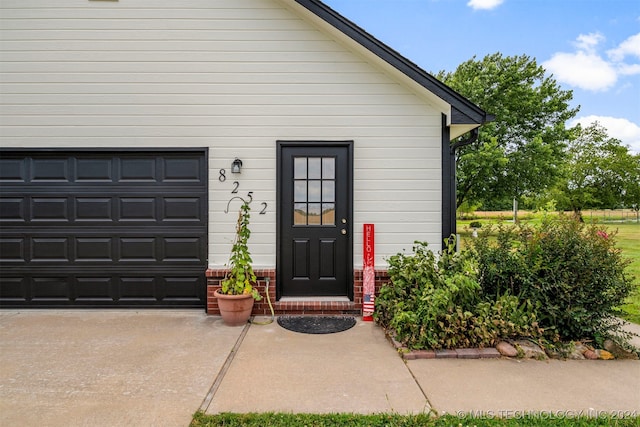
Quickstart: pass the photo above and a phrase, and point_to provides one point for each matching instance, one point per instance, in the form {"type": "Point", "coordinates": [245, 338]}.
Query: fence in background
{"type": "Point", "coordinates": [603, 215]}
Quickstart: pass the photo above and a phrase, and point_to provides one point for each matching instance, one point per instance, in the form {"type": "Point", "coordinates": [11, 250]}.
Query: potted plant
{"type": "Point", "coordinates": [236, 295]}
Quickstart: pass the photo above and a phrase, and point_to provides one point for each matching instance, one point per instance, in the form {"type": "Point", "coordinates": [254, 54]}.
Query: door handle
{"type": "Point", "coordinates": [343, 231]}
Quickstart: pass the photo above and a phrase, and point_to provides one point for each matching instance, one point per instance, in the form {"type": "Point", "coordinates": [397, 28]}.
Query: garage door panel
{"type": "Point", "coordinates": [50, 209]}
{"type": "Point", "coordinates": [182, 209]}
{"type": "Point", "coordinates": [93, 209]}
{"type": "Point", "coordinates": [44, 209]}
{"type": "Point", "coordinates": [13, 209]}
{"type": "Point", "coordinates": [50, 169]}
{"type": "Point", "coordinates": [181, 249]}
{"type": "Point", "coordinates": [94, 249]}
{"type": "Point", "coordinates": [91, 170]}
{"type": "Point", "coordinates": [50, 287]}
{"type": "Point", "coordinates": [182, 170]}
{"type": "Point", "coordinates": [103, 168]}
{"type": "Point", "coordinates": [138, 170]}
{"type": "Point", "coordinates": [139, 249]}
{"type": "Point", "coordinates": [183, 288]}
{"type": "Point", "coordinates": [139, 288]}
{"type": "Point", "coordinates": [138, 209]}
{"type": "Point", "coordinates": [12, 250]}
{"type": "Point", "coordinates": [51, 249]}
{"type": "Point", "coordinates": [13, 170]}
{"type": "Point", "coordinates": [90, 288]}
{"type": "Point", "coordinates": [13, 289]}
{"type": "Point", "coordinates": [104, 228]}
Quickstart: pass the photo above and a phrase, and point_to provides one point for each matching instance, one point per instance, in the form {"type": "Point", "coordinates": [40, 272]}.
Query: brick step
{"type": "Point", "coordinates": [312, 306]}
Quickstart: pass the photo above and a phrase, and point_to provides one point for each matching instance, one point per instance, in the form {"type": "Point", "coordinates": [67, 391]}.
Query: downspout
{"type": "Point", "coordinates": [472, 138]}
{"type": "Point", "coordinates": [449, 227]}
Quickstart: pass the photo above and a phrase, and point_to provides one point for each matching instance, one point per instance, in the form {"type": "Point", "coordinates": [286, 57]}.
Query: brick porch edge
{"type": "Point", "coordinates": [261, 308]}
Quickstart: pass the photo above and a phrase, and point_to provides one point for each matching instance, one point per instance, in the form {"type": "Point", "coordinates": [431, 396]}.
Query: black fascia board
{"type": "Point", "coordinates": [458, 102]}
{"type": "Point", "coordinates": [459, 118]}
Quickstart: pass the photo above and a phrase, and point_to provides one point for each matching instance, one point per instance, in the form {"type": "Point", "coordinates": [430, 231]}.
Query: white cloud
{"type": "Point", "coordinates": [588, 42]}
{"type": "Point", "coordinates": [629, 47]}
{"type": "Point", "coordinates": [582, 69]}
{"type": "Point", "coordinates": [587, 69]}
{"type": "Point", "coordinates": [484, 4]}
{"type": "Point", "coordinates": [622, 129]}
{"type": "Point", "coordinates": [629, 70]}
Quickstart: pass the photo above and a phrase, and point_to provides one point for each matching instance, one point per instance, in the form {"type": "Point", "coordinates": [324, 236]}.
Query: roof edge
{"type": "Point", "coordinates": [458, 102]}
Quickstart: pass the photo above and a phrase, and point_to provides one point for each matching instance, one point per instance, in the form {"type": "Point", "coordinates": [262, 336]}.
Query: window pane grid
{"type": "Point", "coordinates": [314, 191]}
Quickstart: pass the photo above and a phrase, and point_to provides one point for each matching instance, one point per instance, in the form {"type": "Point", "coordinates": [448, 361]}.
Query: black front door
{"type": "Point", "coordinates": [315, 226]}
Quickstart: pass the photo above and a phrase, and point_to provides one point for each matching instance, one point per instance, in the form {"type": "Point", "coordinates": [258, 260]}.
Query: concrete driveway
{"type": "Point", "coordinates": [108, 367]}
{"type": "Point", "coordinates": [157, 367]}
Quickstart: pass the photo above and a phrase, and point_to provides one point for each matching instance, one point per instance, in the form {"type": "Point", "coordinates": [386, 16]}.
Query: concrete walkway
{"type": "Point", "coordinates": [512, 388]}
{"type": "Point", "coordinates": [352, 371]}
{"type": "Point", "coordinates": [156, 368]}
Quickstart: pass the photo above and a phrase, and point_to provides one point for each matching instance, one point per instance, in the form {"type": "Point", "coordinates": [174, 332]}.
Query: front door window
{"type": "Point", "coordinates": [314, 191]}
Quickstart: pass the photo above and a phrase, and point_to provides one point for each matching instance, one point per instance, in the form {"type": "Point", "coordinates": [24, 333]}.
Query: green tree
{"type": "Point", "coordinates": [632, 190]}
{"type": "Point", "coordinates": [521, 152]}
{"type": "Point", "coordinates": [600, 172]}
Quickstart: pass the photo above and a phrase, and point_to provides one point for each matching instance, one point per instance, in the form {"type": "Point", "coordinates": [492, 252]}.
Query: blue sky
{"type": "Point", "coordinates": [590, 46]}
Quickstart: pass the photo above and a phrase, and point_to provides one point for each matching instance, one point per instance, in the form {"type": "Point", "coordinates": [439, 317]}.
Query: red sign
{"type": "Point", "coordinates": [368, 274]}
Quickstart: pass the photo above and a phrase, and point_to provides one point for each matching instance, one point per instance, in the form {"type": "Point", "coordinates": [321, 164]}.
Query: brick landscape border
{"type": "Point", "coordinates": [461, 353]}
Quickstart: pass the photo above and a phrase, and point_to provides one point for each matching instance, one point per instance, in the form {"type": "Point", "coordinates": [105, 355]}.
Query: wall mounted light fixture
{"type": "Point", "coordinates": [236, 166]}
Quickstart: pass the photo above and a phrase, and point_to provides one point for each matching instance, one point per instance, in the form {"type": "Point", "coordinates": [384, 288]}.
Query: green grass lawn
{"type": "Point", "coordinates": [395, 420]}
{"type": "Point", "coordinates": [628, 240]}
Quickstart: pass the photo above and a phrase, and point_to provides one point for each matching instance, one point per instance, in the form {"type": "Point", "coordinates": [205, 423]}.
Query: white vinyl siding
{"type": "Point", "coordinates": [231, 75]}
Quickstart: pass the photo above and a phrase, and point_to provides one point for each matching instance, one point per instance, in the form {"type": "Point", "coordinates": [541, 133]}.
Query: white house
{"type": "Point", "coordinates": [121, 119]}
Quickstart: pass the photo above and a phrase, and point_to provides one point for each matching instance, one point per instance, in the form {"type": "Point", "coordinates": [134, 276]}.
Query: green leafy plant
{"type": "Point", "coordinates": [438, 304]}
{"type": "Point", "coordinates": [240, 277]}
{"type": "Point", "coordinates": [502, 267]}
{"type": "Point", "coordinates": [573, 271]}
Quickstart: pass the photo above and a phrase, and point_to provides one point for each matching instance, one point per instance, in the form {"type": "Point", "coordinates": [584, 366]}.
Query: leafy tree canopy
{"type": "Point", "coordinates": [521, 152]}
{"type": "Point", "coordinates": [600, 172]}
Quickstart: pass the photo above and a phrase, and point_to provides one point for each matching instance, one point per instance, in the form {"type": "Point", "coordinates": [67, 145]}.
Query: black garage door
{"type": "Point", "coordinates": [103, 228]}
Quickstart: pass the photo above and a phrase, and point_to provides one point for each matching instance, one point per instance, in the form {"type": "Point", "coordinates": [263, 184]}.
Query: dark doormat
{"type": "Point", "coordinates": [316, 324]}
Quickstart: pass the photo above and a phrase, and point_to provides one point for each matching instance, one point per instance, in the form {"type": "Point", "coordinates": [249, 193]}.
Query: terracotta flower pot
{"type": "Point", "coordinates": [234, 309]}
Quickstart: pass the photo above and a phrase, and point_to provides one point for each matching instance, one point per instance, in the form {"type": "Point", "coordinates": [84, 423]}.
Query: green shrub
{"type": "Point", "coordinates": [572, 271]}
{"type": "Point", "coordinates": [488, 323]}
{"type": "Point", "coordinates": [438, 304]}
{"type": "Point", "coordinates": [502, 269]}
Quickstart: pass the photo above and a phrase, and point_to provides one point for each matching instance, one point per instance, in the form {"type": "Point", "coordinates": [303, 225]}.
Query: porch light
{"type": "Point", "coordinates": [236, 166]}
